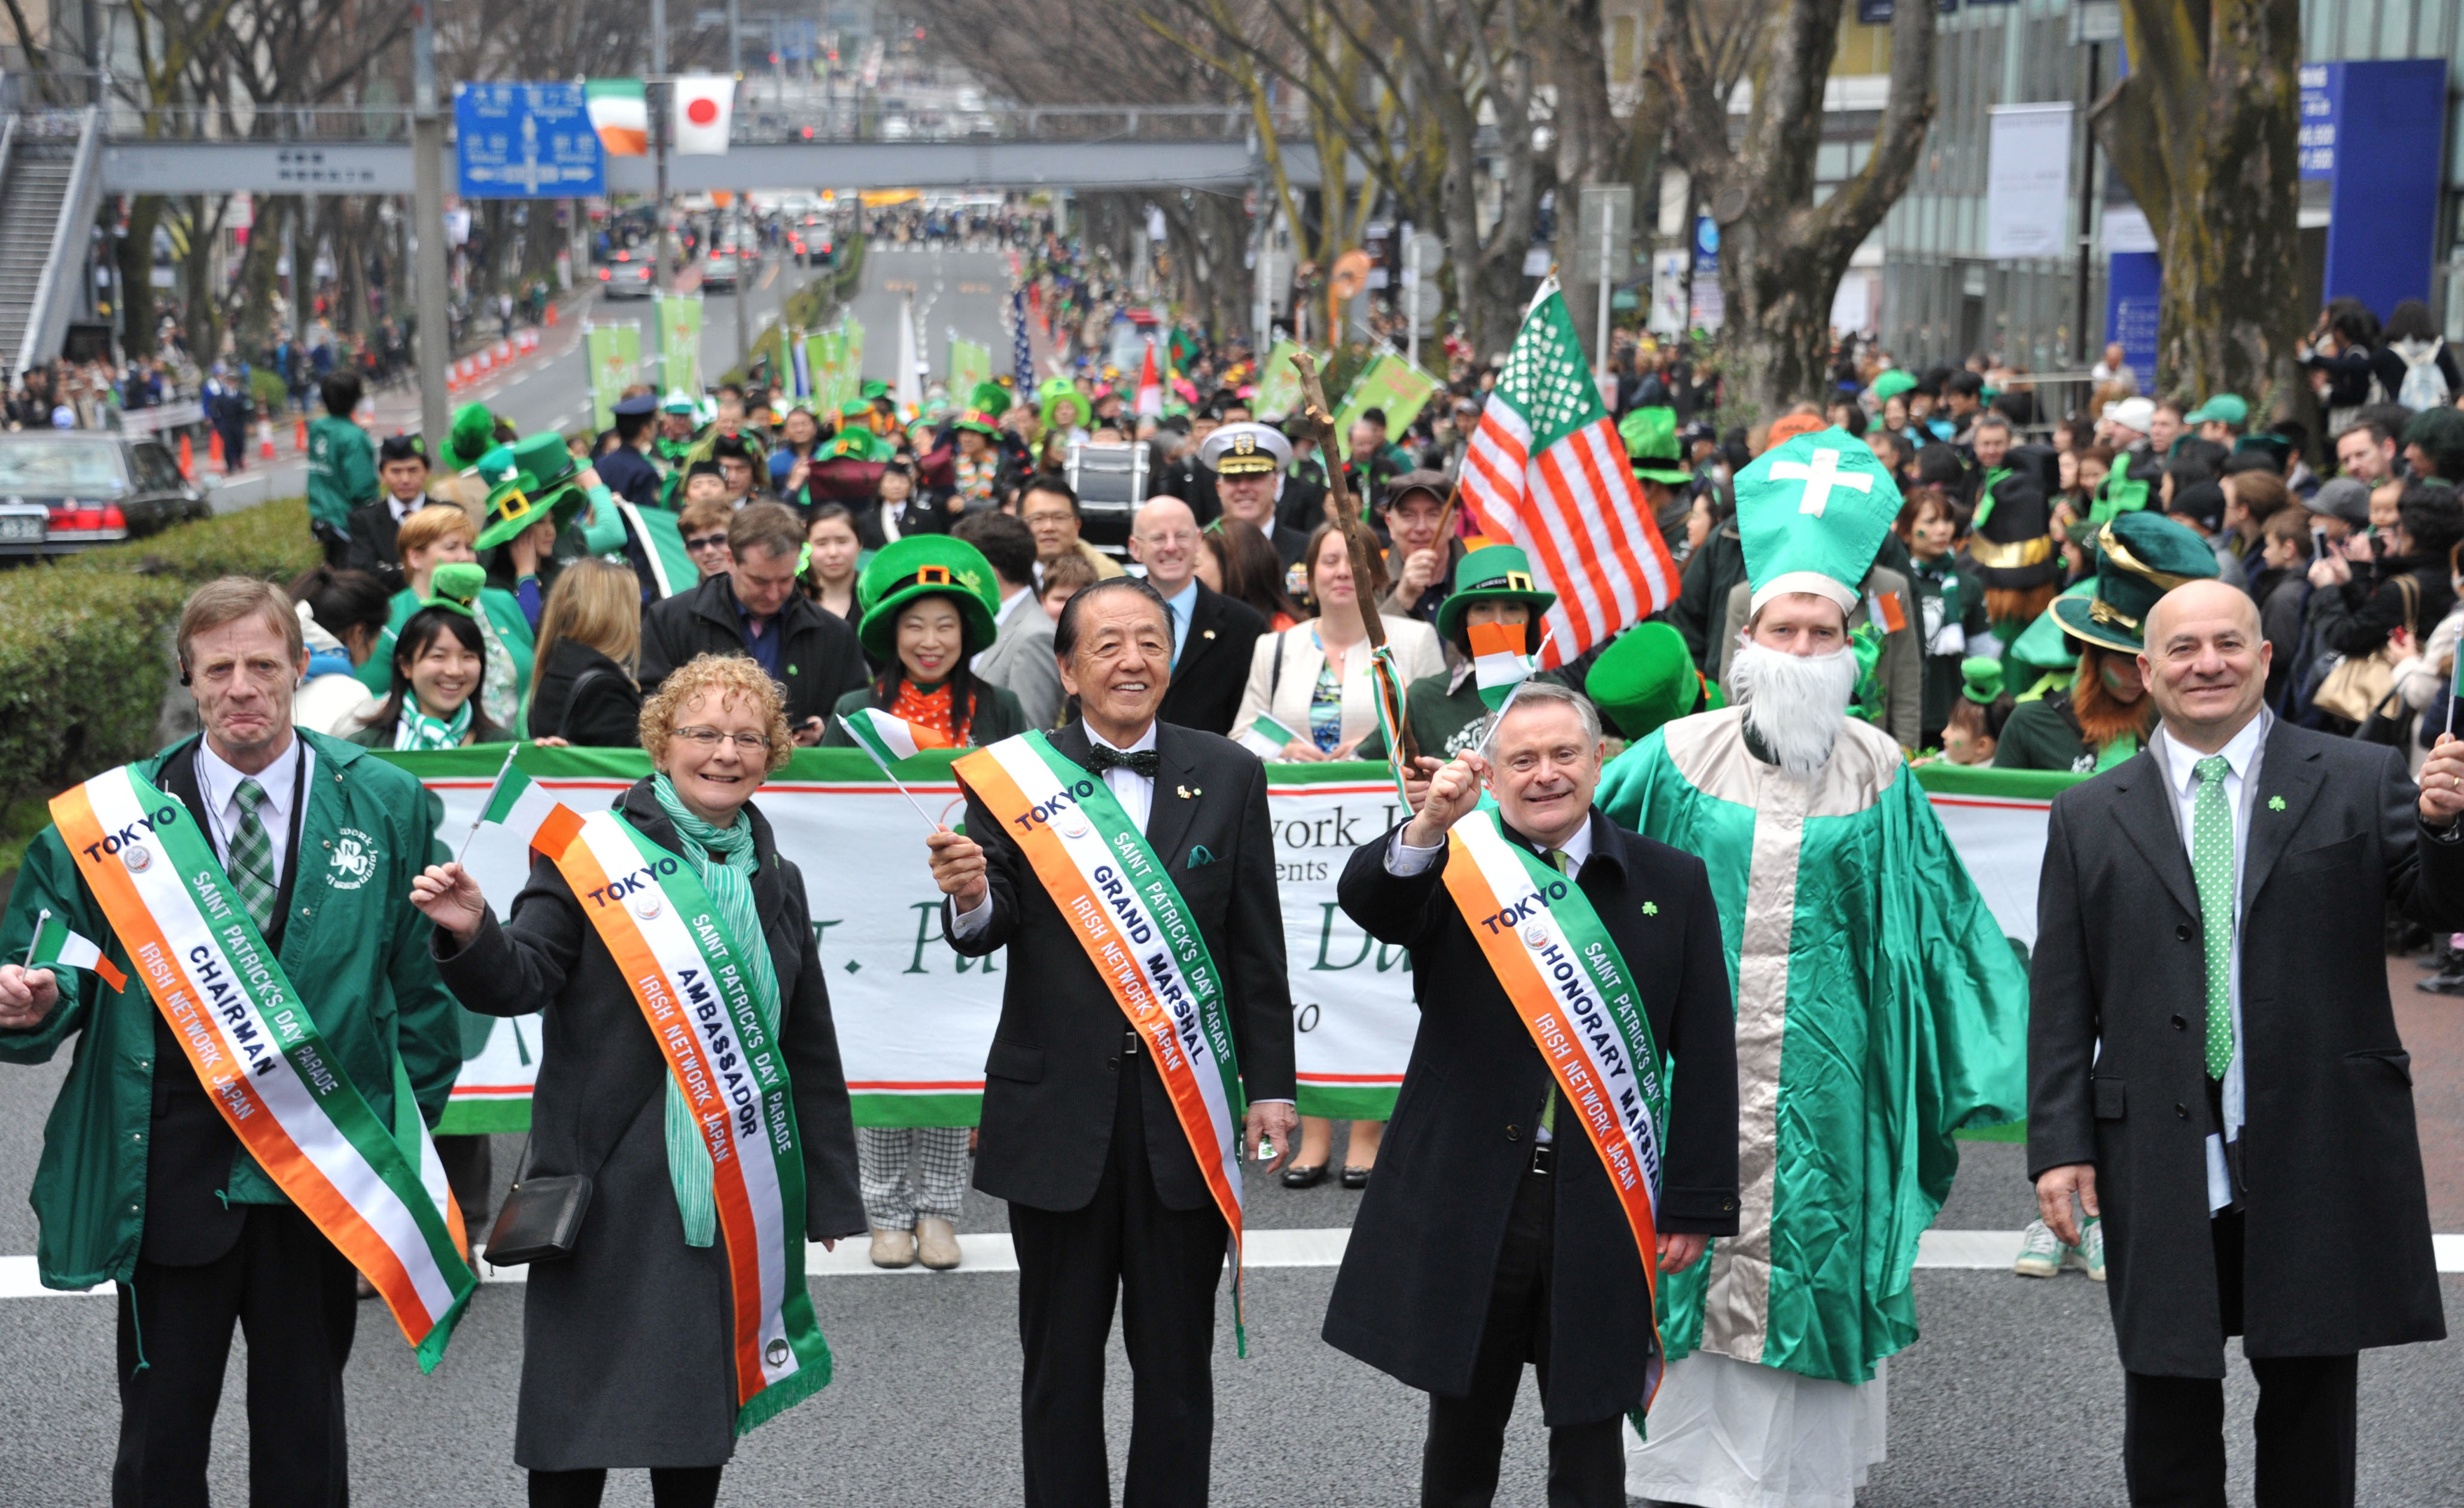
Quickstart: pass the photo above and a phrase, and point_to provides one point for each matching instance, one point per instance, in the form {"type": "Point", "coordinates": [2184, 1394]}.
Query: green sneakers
{"type": "Point", "coordinates": [2040, 1252]}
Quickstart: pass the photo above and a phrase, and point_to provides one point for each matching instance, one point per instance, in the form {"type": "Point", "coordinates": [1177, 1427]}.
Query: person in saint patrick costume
{"type": "Point", "coordinates": [1879, 1007]}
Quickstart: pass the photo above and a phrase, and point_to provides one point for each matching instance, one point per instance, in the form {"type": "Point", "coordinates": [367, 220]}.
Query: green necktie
{"type": "Point", "coordinates": [1565, 864]}
{"type": "Point", "coordinates": [251, 859]}
{"type": "Point", "coordinates": [2211, 861]}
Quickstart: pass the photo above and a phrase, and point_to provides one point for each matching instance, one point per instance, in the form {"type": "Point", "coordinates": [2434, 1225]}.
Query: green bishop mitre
{"type": "Point", "coordinates": [1812, 514]}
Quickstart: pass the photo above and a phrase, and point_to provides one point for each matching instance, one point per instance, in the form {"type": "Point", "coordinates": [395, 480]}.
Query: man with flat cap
{"type": "Point", "coordinates": [1248, 462]}
{"type": "Point", "coordinates": [1421, 564]}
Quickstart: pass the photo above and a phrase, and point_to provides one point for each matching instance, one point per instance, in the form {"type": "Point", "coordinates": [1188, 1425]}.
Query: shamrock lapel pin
{"type": "Point", "coordinates": [2276, 803]}
{"type": "Point", "coordinates": [1651, 908]}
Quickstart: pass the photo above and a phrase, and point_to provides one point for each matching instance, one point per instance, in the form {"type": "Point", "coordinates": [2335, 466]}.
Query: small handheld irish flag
{"type": "Point", "coordinates": [1498, 663]}
{"type": "Point", "coordinates": [524, 807]}
{"type": "Point", "coordinates": [1265, 738]}
{"type": "Point", "coordinates": [54, 943]}
{"type": "Point", "coordinates": [889, 740]}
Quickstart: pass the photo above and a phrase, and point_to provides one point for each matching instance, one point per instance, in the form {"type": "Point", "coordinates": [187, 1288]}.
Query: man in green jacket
{"type": "Point", "coordinates": [142, 1183]}
{"type": "Point", "coordinates": [341, 467]}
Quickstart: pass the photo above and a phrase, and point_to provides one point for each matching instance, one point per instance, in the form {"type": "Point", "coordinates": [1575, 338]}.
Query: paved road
{"type": "Point", "coordinates": [2012, 1397]}
{"type": "Point", "coordinates": [966, 291]}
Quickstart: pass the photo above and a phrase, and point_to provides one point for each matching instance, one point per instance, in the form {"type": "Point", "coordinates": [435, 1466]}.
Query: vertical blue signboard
{"type": "Point", "coordinates": [2134, 286]}
{"type": "Point", "coordinates": [525, 140]}
{"type": "Point", "coordinates": [2374, 132]}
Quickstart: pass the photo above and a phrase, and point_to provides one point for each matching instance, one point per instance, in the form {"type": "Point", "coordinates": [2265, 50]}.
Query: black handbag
{"type": "Point", "coordinates": [540, 1220]}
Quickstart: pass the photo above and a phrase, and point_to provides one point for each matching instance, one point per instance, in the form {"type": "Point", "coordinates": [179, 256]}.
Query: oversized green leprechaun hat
{"type": "Point", "coordinates": [533, 473]}
{"type": "Point", "coordinates": [1980, 679]}
{"type": "Point", "coordinates": [1057, 392]}
{"type": "Point", "coordinates": [924, 565]}
{"type": "Point", "coordinates": [2139, 557]}
{"type": "Point", "coordinates": [983, 421]}
{"type": "Point", "coordinates": [1493, 573]}
{"type": "Point", "coordinates": [473, 434]}
{"type": "Point", "coordinates": [1645, 678]}
{"type": "Point", "coordinates": [1811, 514]}
{"type": "Point", "coordinates": [455, 587]}
{"type": "Point", "coordinates": [1650, 436]}
{"type": "Point", "coordinates": [855, 442]}
{"type": "Point", "coordinates": [988, 398]}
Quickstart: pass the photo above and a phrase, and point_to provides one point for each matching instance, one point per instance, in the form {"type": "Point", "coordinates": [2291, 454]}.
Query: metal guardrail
{"type": "Point", "coordinates": [756, 123]}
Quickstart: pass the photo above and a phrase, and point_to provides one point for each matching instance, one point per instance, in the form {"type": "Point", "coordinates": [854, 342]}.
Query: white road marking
{"type": "Point", "coordinates": [1939, 1251]}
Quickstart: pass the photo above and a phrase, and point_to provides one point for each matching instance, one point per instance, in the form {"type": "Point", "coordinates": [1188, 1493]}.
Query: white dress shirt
{"type": "Point", "coordinates": [218, 784]}
{"type": "Point", "coordinates": [1403, 860]}
{"type": "Point", "coordinates": [2180, 766]}
{"type": "Point", "coordinates": [1135, 792]}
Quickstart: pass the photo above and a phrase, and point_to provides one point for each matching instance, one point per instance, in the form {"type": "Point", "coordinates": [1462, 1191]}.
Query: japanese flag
{"type": "Point", "coordinates": [703, 105]}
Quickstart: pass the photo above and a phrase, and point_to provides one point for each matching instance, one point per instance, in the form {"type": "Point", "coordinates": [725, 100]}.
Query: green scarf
{"type": "Point", "coordinates": [415, 729]}
{"type": "Point", "coordinates": [722, 857]}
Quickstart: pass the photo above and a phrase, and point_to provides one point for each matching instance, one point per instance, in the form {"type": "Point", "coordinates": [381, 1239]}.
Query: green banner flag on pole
{"type": "Point", "coordinates": [970, 364]}
{"type": "Point", "coordinates": [680, 342]}
{"type": "Point", "coordinates": [1279, 385]}
{"type": "Point", "coordinates": [1388, 383]}
{"type": "Point", "coordinates": [614, 352]}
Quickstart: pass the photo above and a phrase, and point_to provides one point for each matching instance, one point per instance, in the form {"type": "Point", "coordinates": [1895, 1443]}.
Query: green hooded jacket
{"type": "Point", "coordinates": [353, 946]}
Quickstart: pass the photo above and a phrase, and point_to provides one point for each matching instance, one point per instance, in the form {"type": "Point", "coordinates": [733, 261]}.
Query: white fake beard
{"type": "Point", "coordinates": [1796, 705]}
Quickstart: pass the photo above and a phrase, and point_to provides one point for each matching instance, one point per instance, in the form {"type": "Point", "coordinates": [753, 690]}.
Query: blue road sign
{"type": "Point", "coordinates": [525, 140]}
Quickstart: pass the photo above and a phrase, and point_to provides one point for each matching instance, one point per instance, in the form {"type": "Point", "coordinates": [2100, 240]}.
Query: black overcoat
{"type": "Point", "coordinates": [1414, 1292]}
{"type": "Point", "coordinates": [1213, 668]}
{"type": "Point", "coordinates": [625, 1344]}
{"type": "Point", "coordinates": [1052, 1079]}
{"type": "Point", "coordinates": [2338, 1253]}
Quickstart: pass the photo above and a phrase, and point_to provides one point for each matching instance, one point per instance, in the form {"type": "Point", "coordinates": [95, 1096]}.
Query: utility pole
{"type": "Point", "coordinates": [434, 350]}
{"type": "Point", "coordinates": [657, 109]}
{"type": "Point", "coordinates": [2086, 220]}
{"type": "Point", "coordinates": [744, 269]}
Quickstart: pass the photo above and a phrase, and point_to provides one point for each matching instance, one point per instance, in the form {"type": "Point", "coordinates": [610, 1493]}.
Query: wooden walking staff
{"type": "Point", "coordinates": [1368, 562]}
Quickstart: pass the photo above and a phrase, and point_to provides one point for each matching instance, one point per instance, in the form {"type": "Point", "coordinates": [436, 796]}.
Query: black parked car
{"type": "Point", "coordinates": [65, 491]}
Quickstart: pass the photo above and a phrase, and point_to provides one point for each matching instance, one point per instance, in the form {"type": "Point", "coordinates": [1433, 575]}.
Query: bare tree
{"type": "Point", "coordinates": [1781, 255]}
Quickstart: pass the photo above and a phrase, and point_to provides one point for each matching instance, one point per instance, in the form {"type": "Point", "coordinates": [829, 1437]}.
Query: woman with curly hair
{"type": "Point", "coordinates": [628, 1342]}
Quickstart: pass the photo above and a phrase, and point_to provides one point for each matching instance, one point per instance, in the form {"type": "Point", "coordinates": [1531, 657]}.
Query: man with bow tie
{"type": "Point", "coordinates": [1113, 1118]}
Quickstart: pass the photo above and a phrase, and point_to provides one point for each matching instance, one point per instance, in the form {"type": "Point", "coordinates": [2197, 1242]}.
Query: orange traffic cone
{"type": "Point", "coordinates": [265, 437]}
{"type": "Point", "coordinates": [299, 435]}
{"type": "Point", "coordinates": [551, 317]}
{"type": "Point", "coordinates": [187, 459]}
{"type": "Point", "coordinates": [214, 450]}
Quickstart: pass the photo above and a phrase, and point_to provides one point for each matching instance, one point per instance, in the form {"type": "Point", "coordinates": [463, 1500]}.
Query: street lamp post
{"type": "Point", "coordinates": [433, 349]}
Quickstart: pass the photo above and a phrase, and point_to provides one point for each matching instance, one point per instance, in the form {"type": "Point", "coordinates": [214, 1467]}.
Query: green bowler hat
{"type": "Point", "coordinates": [455, 587]}
{"type": "Point", "coordinates": [924, 565]}
{"type": "Point", "coordinates": [856, 443]}
{"type": "Point", "coordinates": [1650, 436]}
{"type": "Point", "coordinates": [1644, 677]}
{"type": "Point", "coordinates": [1893, 383]}
{"type": "Point", "coordinates": [1494, 573]}
{"type": "Point", "coordinates": [533, 473]}
{"type": "Point", "coordinates": [2140, 557]}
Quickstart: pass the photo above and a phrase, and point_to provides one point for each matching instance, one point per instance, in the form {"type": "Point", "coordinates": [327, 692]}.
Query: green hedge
{"type": "Point", "coordinates": [85, 648]}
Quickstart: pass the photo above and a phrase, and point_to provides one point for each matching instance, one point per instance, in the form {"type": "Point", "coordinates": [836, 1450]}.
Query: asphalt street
{"type": "Point", "coordinates": [957, 291]}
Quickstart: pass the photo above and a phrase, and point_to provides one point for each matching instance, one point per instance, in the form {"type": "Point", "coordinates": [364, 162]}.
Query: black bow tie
{"type": "Point", "coordinates": [1138, 762]}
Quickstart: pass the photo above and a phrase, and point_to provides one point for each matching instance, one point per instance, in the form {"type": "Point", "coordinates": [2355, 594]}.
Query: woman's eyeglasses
{"type": "Point", "coordinates": [711, 738]}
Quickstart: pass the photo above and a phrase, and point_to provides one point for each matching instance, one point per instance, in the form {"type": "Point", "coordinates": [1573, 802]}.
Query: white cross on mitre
{"type": "Point", "coordinates": [1820, 477]}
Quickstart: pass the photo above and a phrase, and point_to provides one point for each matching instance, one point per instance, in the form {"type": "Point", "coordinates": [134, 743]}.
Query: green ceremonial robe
{"type": "Point", "coordinates": [1880, 1008]}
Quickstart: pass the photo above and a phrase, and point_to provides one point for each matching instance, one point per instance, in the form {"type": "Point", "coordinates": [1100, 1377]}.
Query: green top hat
{"type": "Point", "coordinates": [1493, 573]}
{"type": "Point", "coordinates": [1650, 436]}
{"type": "Point", "coordinates": [925, 565]}
{"type": "Point", "coordinates": [874, 390]}
{"type": "Point", "coordinates": [1644, 678]}
{"type": "Point", "coordinates": [855, 443]}
{"type": "Point", "coordinates": [455, 587]}
{"type": "Point", "coordinates": [983, 421]}
{"type": "Point", "coordinates": [2140, 557]}
{"type": "Point", "coordinates": [474, 434]}
{"type": "Point", "coordinates": [990, 398]}
{"type": "Point", "coordinates": [1980, 678]}
{"type": "Point", "coordinates": [1893, 383]}
{"type": "Point", "coordinates": [533, 473]}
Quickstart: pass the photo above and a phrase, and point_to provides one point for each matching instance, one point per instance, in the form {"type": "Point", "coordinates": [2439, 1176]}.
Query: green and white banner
{"type": "Point", "coordinates": [614, 352]}
{"type": "Point", "coordinates": [679, 342]}
{"type": "Point", "coordinates": [876, 918]}
{"type": "Point", "coordinates": [1390, 384]}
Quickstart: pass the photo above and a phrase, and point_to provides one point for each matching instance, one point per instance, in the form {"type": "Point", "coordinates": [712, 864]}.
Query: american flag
{"type": "Point", "coordinates": [1547, 470]}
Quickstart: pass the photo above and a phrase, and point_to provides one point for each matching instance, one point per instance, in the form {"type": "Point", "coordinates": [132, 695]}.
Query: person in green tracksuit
{"type": "Point", "coordinates": [141, 1182]}
{"type": "Point", "coordinates": [341, 467]}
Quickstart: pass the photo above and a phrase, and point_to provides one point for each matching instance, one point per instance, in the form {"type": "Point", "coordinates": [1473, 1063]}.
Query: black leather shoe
{"type": "Point", "coordinates": [1355, 1178]}
{"type": "Point", "coordinates": [1299, 1177]}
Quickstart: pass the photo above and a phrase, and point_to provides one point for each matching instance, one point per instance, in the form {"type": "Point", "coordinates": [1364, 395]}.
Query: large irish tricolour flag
{"type": "Point", "coordinates": [1547, 470]}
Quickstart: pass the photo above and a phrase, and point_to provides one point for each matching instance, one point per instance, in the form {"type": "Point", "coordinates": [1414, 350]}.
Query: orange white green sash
{"type": "Point", "coordinates": [1575, 996]}
{"type": "Point", "coordinates": [686, 971]}
{"type": "Point", "coordinates": [1138, 933]}
{"type": "Point", "coordinates": [252, 1044]}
